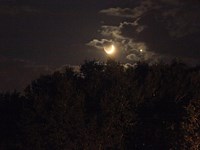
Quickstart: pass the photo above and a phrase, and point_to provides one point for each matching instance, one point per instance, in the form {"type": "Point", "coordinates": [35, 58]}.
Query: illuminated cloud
{"type": "Point", "coordinates": [130, 12]}
{"type": "Point", "coordinates": [181, 17]}
{"type": "Point", "coordinates": [133, 57]}
{"type": "Point", "coordinates": [164, 28]}
{"type": "Point", "coordinates": [123, 36]}
{"type": "Point", "coordinates": [99, 44]}
{"type": "Point", "coordinates": [119, 12]}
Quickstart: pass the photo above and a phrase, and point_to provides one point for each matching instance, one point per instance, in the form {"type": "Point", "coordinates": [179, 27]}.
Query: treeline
{"type": "Point", "coordinates": [105, 106]}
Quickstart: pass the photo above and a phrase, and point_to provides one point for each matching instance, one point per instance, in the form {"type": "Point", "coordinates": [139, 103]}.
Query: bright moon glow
{"type": "Point", "coordinates": [109, 50]}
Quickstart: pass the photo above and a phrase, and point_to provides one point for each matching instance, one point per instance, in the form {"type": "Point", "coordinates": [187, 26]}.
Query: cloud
{"type": "Point", "coordinates": [99, 44]}
{"type": "Point", "coordinates": [162, 28]}
{"type": "Point", "coordinates": [133, 57]}
{"type": "Point", "coordinates": [122, 36]}
{"type": "Point", "coordinates": [136, 12]}
{"type": "Point", "coordinates": [119, 12]}
{"type": "Point", "coordinates": [172, 29]}
{"type": "Point", "coordinates": [181, 17]}
{"type": "Point", "coordinates": [111, 31]}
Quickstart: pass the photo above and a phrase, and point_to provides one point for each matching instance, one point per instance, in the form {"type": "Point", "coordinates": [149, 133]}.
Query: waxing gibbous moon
{"type": "Point", "coordinates": [109, 50]}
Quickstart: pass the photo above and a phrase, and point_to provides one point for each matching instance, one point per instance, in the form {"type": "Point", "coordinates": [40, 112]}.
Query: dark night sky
{"type": "Point", "coordinates": [39, 36]}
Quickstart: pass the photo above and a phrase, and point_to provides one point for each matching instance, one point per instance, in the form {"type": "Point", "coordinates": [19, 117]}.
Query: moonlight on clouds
{"type": "Point", "coordinates": [110, 50]}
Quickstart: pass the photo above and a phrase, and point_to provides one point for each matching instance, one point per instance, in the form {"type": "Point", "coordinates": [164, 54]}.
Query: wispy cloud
{"type": "Point", "coordinates": [135, 12]}
{"type": "Point", "coordinates": [119, 12]}
{"type": "Point", "coordinates": [161, 28]}
{"type": "Point", "coordinates": [121, 36]}
{"type": "Point", "coordinates": [99, 44]}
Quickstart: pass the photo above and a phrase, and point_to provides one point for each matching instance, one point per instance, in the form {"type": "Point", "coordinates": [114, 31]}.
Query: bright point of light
{"type": "Point", "coordinates": [109, 50]}
{"type": "Point", "coordinates": [141, 50]}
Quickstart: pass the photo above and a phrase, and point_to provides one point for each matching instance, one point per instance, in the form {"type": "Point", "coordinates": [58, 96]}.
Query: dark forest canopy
{"type": "Point", "coordinates": [105, 106]}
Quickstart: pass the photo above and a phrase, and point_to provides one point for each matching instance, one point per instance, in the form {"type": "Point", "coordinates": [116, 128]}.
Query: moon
{"type": "Point", "coordinates": [109, 50]}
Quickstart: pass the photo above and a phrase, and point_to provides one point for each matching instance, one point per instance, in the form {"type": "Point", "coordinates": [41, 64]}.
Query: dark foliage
{"type": "Point", "coordinates": [105, 106]}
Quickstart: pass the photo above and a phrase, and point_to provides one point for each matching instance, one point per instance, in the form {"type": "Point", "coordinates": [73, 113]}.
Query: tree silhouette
{"type": "Point", "coordinates": [105, 106]}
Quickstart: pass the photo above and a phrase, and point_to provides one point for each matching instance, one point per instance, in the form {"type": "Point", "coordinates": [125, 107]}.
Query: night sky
{"type": "Point", "coordinates": [41, 36]}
